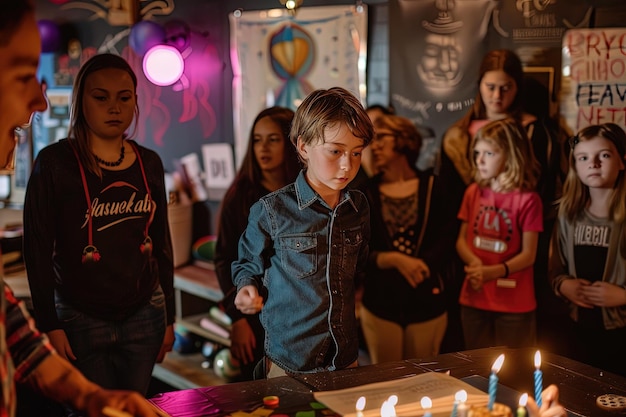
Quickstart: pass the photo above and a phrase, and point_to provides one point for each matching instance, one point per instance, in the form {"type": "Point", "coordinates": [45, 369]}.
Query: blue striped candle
{"type": "Point", "coordinates": [538, 378]}
{"type": "Point", "coordinates": [493, 381]}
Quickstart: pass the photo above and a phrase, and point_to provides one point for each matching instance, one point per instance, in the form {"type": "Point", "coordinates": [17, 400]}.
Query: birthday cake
{"type": "Point", "coordinates": [499, 410]}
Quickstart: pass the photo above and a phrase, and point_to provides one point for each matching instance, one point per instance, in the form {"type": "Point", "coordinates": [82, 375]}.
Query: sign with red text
{"type": "Point", "coordinates": [593, 85]}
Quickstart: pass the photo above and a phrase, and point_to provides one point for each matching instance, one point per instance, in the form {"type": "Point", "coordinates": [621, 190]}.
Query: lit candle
{"type": "Point", "coordinates": [493, 381]}
{"type": "Point", "coordinates": [538, 378]}
{"type": "Point", "coordinates": [461, 397]}
{"type": "Point", "coordinates": [521, 410]}
{"type": "Point", "coordinates": [427, 404]}
{"type": "Point", "coordinates": [360, 406]}
{"type": "Point", "coordinates": [388, 409]}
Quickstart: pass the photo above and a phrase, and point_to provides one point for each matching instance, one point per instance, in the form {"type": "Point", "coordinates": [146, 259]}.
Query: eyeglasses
{"type": "Point", "coordinates": [379, 137]}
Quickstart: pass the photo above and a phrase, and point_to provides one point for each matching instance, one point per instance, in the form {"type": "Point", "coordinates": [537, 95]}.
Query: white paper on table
{"type": "Point", "coordinates": [439, 387]}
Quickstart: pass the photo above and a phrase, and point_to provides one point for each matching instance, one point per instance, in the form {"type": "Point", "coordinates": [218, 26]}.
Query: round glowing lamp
{"type": "Point", "coordinates": [163, 65]}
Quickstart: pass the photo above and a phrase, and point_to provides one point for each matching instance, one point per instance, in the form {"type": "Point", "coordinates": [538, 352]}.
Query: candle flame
{"type": "Point", "coordinates": [388, 409]}
{"type": "Point", "coordinates": [461, 396]}
{"type": "Point", "coordinates": [523, 399]}
{"type": "Point", "coordinates": [360, 404]}
{"type": "Point", "coordinates": [426, 403]}
{"type": "Point", "coordinates": [498, 364]}
{"type": "Point", "coordinates": [537, 359]}
{"type": "Point", "coordinates": [393, 399]}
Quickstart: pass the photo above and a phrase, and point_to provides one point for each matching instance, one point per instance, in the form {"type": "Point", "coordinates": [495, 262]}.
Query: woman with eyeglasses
{"type": "Point", "coordinates": [403, 314]}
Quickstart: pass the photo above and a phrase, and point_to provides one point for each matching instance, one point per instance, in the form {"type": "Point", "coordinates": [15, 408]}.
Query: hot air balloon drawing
{"type": "Point", "coordinates": [292, 54]}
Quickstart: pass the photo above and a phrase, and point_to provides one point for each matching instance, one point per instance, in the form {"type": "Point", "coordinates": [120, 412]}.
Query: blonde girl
{"type": "Point", "coordinates": [501, 219]}
{"type": "Point", "coordinates": [588, 257]}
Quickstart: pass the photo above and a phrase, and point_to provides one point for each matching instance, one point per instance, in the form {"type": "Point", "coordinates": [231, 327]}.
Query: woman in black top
{"type": "Point", "coordinates": [96, 238]}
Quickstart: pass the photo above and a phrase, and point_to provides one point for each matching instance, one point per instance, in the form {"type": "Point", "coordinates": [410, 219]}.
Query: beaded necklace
{"type": "Point", "coordinates": [111, 164]}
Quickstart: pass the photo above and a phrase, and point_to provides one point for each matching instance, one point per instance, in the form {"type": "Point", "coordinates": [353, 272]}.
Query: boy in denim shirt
{"type": "Point", "coordinates": [306, 244]}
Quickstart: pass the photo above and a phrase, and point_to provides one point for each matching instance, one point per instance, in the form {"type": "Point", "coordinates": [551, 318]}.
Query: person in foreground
{"type": "Point", "coordinates": [26, 356]}
{"type": "Point", "coordinates": [588, 257]}
{"type": "Point", "coordinates": [306, 244]}
{"type": "Point", "coordinates": [270, 163]}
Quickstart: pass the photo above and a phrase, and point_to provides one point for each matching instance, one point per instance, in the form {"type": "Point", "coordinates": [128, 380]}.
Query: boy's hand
{"type": "Point", "coordinates": [248, 300]}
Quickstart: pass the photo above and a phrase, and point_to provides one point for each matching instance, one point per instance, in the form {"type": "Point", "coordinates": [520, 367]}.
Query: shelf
{"type": "Point", "coordinates": [199, 281]}
{"type": "Point", "coordinates": [192, 324]}
{"type": "Point", "coordinates": [185, 371]}
{"type": "Point", "coordinates": [196, 290]}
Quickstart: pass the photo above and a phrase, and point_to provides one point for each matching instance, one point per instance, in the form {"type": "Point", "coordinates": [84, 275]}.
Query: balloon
{"type": "Point", "coordinates": [50, 35]}
{"type": "Point", "coordinates": [144, 35]}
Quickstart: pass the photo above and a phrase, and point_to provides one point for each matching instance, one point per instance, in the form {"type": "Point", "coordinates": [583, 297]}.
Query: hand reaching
{"type": "Point", "coordinates": [248, 300]}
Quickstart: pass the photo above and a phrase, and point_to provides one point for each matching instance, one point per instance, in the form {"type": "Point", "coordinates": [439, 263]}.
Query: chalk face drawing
{"type": "Point", "coordinates": [593, 87]}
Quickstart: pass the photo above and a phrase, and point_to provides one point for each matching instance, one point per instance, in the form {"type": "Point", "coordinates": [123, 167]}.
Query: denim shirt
{"type": "Point", "coordinates": [306, 258]}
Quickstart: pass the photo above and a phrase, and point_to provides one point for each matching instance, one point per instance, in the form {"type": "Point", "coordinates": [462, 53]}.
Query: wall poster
{"type": "Point", "coordinates": [593, 85]}
{"type": "Point", "coordinates": [278, 58]}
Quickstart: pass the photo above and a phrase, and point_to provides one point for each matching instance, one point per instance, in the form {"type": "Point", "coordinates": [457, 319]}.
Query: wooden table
{"type": "Point", "coordinates": [579, 384]}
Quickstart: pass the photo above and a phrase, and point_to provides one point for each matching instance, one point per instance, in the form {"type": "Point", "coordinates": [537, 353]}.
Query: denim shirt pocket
{"type": "Point", "coordinates": [298, 254]}
{"type": "Point", "coordinates": [352, 240]}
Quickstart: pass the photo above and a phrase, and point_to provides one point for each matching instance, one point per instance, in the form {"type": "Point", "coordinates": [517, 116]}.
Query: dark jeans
{"type": "Point", "coordinates": [482, 328]}
{"type": "Point", "coordinates": [117, 355]}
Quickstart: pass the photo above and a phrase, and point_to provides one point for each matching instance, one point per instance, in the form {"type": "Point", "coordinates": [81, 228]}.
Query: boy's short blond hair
{"type": "Point", "coordinates": [323, 109]}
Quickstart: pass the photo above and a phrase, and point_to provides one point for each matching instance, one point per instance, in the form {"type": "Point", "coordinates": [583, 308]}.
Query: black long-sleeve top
{"type": "Point", "coordinates": [56, 232]}
{"type": "Point", "coordinates": [386, 292]}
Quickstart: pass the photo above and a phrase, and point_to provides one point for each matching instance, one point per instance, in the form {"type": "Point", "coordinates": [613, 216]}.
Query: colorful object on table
{"type": "Point", "coordinates": [611, 402]}
{"type": "Point", "coordinates": [493, 381]}
{"type": "Point", "coordinates": [262, 412]}
{"type": "Point", "coordinates": [538, 378]}
{"type": "Point", "coordinates": [310, 413]}
{"type": "Point", "coordinates": [271, 401]}
{"type": "Point", "coordinates": [319, 406]}
{"type": "Point", "coordinates": [360, 406]}
{"type": "Point", "coordinates": [427, 404]}
{"type": "Point", "coordinates": [521, 409]}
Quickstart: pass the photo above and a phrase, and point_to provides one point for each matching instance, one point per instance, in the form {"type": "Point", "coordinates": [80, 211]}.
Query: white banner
{"type": "Point", "coordinates": [593, 86]}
